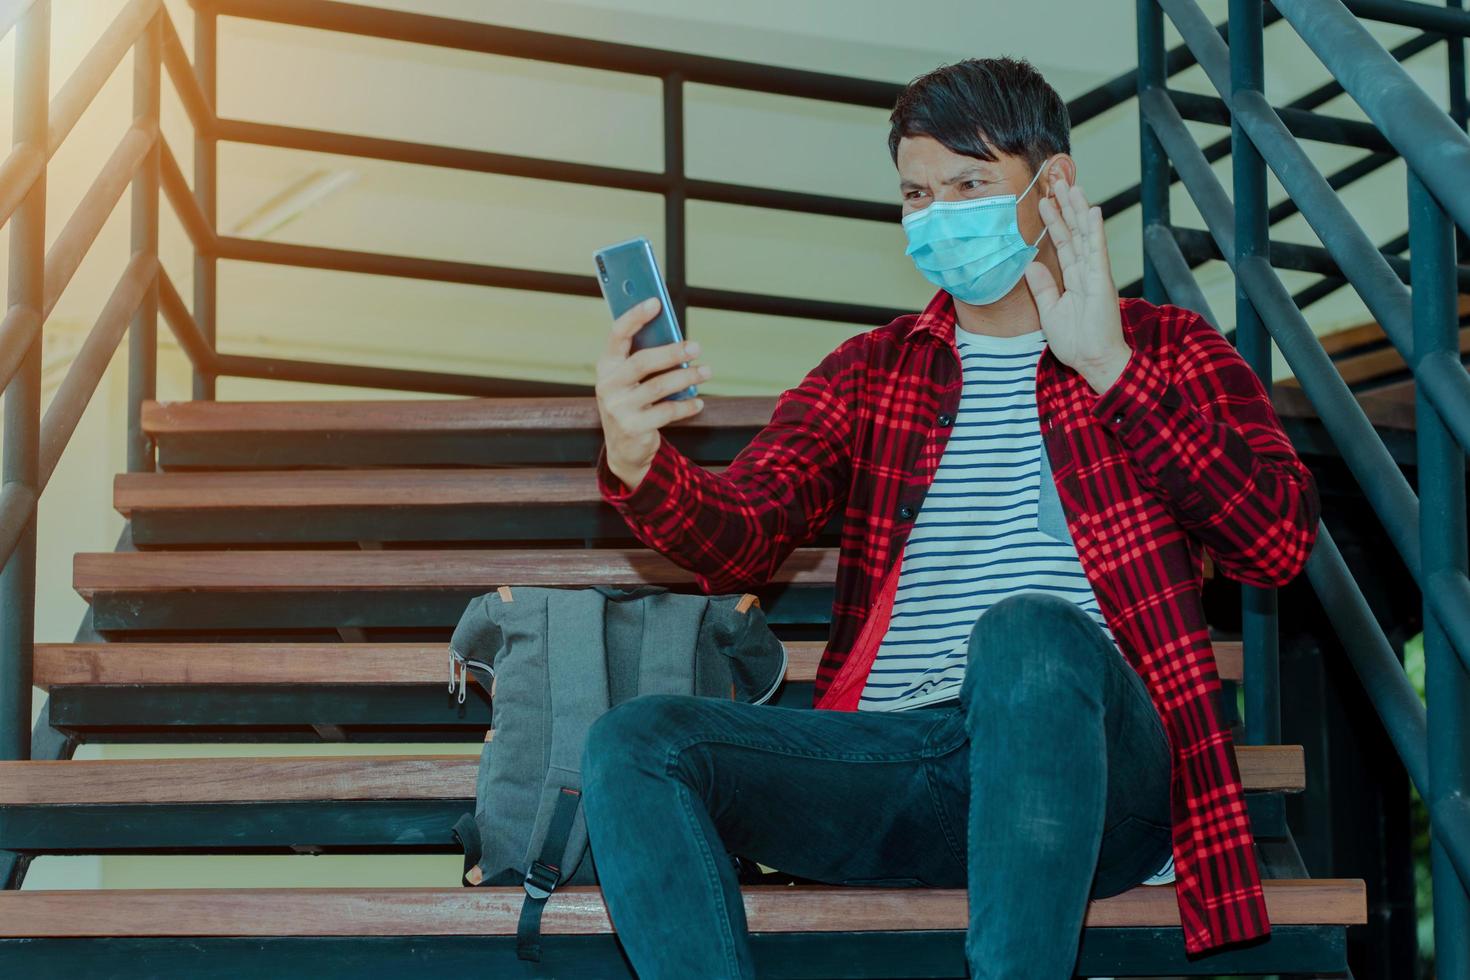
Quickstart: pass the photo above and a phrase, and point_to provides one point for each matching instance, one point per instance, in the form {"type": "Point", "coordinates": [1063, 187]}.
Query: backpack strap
{"type": "Point", "coordinates": [576, 665]}
{"type": "Point", "coordinates": [545, 874]}
{"type": "Point", "coordinates": [467, 834]}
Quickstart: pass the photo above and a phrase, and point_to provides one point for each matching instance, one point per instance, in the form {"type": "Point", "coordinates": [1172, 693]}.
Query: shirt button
{"type": "Point", "coordinates": [1118, 418]}
{"type": "Point", "coordinates": [905, 512]}
{"type": "Point", "coordinates": [944, 420]}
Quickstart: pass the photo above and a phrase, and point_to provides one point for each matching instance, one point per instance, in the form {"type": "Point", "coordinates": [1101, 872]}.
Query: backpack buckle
{"type": "Point", "coordinates": [541, 880]}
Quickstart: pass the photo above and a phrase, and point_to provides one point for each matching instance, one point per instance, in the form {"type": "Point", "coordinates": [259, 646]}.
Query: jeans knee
{"type": "Point", "coordinates": [633, 736]}
{"type": "Point", "coordinates": [1029, 647]}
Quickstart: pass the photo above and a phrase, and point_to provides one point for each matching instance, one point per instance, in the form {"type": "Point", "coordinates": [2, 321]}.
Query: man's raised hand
{"type": "Point", "coordinates": [1080, 320]}
{"type": "Point", "coordinates": [629, 386]}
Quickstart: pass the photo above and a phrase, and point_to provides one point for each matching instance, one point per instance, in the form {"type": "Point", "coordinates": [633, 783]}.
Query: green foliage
{"type": "Point", "coordinates": [1419, 826]}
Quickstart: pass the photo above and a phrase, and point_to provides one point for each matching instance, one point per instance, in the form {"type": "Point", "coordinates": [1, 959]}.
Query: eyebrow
{"type": "Point", "coordinates": [964, 174]}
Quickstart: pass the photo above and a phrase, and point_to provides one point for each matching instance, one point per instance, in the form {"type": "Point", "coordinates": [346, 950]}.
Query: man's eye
{"type": "Point", "coordinates": [912, 194]}
{"type": "Point", "coordinates": [970, 185]}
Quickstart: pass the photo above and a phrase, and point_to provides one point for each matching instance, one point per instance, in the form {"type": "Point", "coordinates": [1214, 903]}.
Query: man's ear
{"type": "Point", "coordinates": [1060, 167]}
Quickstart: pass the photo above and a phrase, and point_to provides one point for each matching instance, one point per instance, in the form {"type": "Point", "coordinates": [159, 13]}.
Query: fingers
{"type": "Point", "coordinates": [1086, 254]}
{"type": "Point", "coordinates": [1062, 239]}
{"type": "Point", "coordinates": [1056, 227]}
{"type": "Point", "coordinates": [618, 371]}
{"type": "Point", "coordinates": [1043, 287]}
{"type": "Point", "coordinates": [663, 413]}
{"type": "Point", "coordinates": [653, 359]}
{"type": "Point", "coordinates": [1102, 263]}
{"type": "Point", "coordinates": [1072, 202]}
{"type": "Point", "coordinates": [666, 384]}
{"type": "Point", "coordinates": [630, 407]}
{"type": "Point", "coordinates": [625, 326]}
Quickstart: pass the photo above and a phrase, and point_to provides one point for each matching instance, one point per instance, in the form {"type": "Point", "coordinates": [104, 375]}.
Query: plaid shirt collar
{"type": "Point", "coordinates": [938, 320]}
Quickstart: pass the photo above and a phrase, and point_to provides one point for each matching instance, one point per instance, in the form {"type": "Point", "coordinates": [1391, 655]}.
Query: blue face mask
{"type": "Point", "coordinates": [972, 249]}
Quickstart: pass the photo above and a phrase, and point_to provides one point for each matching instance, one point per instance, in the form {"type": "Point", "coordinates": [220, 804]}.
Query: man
{"type": "Point", "coordinates": [1029, 473]}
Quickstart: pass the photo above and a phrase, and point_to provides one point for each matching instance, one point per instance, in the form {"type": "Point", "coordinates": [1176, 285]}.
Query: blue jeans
{"type": "Point", "coordinates": [1046, 784]}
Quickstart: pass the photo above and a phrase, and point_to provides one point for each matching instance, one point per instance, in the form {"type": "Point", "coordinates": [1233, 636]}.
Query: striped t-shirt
{"type": "Point", "coordinates": [977, 538]}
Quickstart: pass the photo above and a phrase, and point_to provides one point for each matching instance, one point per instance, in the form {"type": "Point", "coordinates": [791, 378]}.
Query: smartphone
{"type": "Point", "coordinates": [628, 275]}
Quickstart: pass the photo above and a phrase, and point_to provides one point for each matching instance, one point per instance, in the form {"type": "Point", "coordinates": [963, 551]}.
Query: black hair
{"type": "Point", "coordinates": [982, 105]}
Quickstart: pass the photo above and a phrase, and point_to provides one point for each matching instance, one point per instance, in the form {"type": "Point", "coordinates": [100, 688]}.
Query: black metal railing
{"type": "Point", "coordinates": [1428, 530]}
{"type": "Point", "coordinates": [38, 276]}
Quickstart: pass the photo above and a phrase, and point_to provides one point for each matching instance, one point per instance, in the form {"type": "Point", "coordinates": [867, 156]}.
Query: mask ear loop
{"type": "Point", "coordinates": [1040, 170]}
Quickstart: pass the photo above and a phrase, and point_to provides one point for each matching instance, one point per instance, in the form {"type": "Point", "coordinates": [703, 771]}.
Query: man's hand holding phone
{"type": "Point", "coordinates": [630, 385]}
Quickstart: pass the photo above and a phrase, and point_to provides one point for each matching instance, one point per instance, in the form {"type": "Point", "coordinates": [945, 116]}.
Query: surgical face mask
{"type": "Point", "coordinates": [972, 249]}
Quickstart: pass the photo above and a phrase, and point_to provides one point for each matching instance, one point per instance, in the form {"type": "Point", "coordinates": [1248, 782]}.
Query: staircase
{"type": "Point", "coordinates": [272, 603]}
{"type": "Point", "coordinates": [291, 570]}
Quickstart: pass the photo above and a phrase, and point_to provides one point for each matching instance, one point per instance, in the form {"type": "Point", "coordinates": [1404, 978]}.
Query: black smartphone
{"type": "Point", "coordinates": [628, 275]}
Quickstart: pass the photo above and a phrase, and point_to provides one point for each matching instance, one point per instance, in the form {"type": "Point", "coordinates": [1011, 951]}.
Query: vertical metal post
{"type": "Point", "coordinates": [1442, 529]}
{"type": "Point", "coordinates": [206, 182]}
{"type": "Point", "coordinates": [1459, 104]}
{"type": "Point", "coordinates": [143, 334]}
{"type": "Point", "coordinates": [675, 269]}
{"type": "Point", "coordinates": [22, 455]}
{"type": "Point", "coordinates": [1459, 108]}
{"type": "Point", "coordinates": [1153, 181]}
{"type": "Point", "coordinates": [1258, 606]}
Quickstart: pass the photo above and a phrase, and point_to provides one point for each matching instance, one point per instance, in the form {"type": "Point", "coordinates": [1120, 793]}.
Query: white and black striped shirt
{"type": "Point", "coordinates": [976, 539]}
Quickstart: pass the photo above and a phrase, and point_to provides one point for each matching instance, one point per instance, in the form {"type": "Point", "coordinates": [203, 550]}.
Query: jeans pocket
{"type": "Point", "coordinates": [1050, 519]}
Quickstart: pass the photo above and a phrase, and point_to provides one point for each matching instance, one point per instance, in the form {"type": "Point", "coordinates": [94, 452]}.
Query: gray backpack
{"type": "Point", "coordinates": [557, 660]}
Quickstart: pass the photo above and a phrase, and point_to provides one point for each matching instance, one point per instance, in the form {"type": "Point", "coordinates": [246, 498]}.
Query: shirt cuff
{"type": "Point", "coordinates": [1139, 393]}
{"type": "Point", "coordinates": [651, 493]}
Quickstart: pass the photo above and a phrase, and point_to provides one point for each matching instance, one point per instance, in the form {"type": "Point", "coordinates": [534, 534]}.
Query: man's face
{"type": "Point", "coordinates": [928, 171]}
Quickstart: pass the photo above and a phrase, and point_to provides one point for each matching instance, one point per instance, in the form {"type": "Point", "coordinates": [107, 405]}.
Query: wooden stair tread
{"type": "Point", "coordinates": [392, 777]}
{"type": "Point", "coordinates": [238, 780]}
{"type": "Point", "coordinates": [334, 571]}
{"type": "Point", "coordinates": [275, 663]}
{"type": "Point", "coordinates": [425, 487]}
{"type": "Point", "coordinates": [579, 910]}
{"type": "Point", "coordinates": [59, 664]}
{"type": "Point", "coordinates": [162, 419]}
{"type": "Point", "coordinates": [1367, 365]}
{"type": "Point", "coordinates": [1388, 406]}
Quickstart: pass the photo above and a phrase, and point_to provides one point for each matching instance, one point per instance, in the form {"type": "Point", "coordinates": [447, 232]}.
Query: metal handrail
{"type": "Point", "coordinates": [1285, 208]}
{"type": "Point", "coordinates": [34, 445]}
{"type": "Point", "coordinates": [1428, 530]}
{"type": "Point", "coordinates": [674, 67]}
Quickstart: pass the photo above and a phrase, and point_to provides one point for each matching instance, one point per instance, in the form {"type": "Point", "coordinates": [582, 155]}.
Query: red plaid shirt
{"type": "Point", "coordinates": [1183, 454]}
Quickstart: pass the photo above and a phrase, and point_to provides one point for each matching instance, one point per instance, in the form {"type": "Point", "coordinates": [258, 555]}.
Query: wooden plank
{"type": "Point", "coordinates": [1367, 333]}
{"type": "Point", "coordinates": [1385, 410]}
{"type": "Point", "coordinates": [578, 910]}
{"type": "Point", "coordinates": [240, 780]}
{"type": "Point", "coordinates": [1388, 407]}
{"type": "Point", "coordinates": [306, 489]}
{"type": "Point", "coordinates": [400, 570]}
{"type": "Point", "coordinates": [59, 664]}
{"type": "Point", "coordinates": [1357, 368]}
{"type": "Point", "coordinates": [1340, 340]}
{"type": "Point", "coordinates": [1265, 768]}
{"type": "Point", "coordinates": [162, 419]}
{"type": "Point", "coordinates": [273, 663]}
